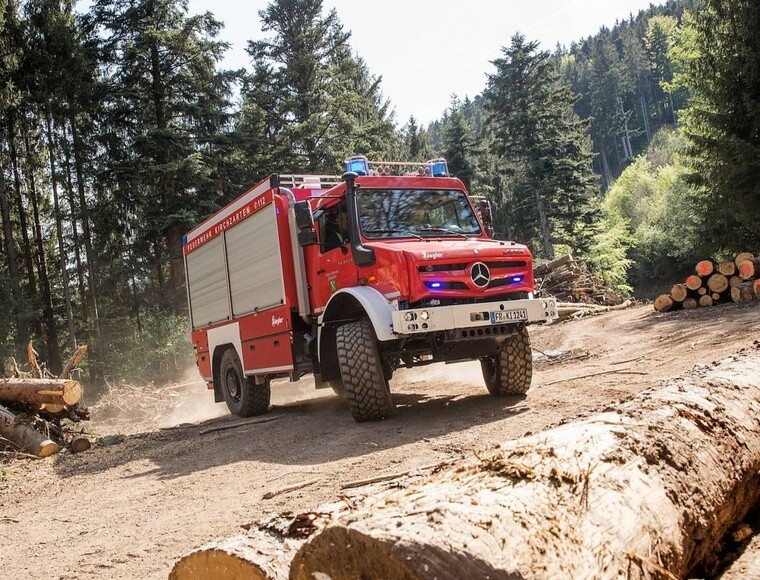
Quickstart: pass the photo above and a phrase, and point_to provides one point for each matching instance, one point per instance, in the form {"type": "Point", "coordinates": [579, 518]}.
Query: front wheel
{"type": "Point", "coordinates": [361, 368]}
{"type": "Point", "coordinates": [243, 396]}
{"type": "Point", "coordinates": [511, 370]}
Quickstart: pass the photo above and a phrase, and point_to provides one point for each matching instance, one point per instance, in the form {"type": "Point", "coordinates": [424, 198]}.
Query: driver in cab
{"type": "Point", "coordinates": [336, 229]}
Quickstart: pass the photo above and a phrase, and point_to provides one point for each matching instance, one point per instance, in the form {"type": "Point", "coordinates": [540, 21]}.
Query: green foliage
{"type": "Point", "coordinates": [544, 145]}
{"type": "Point", "coordinates": [718, 64]}
{"type": "Point", "coordinates": [651, 199]}
{"type": "Point", "coordinates": [608, 256]}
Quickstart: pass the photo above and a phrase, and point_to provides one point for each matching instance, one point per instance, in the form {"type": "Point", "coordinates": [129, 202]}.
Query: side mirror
{"type": "Point", "coordinates": [307, 238]}
{"type": "Point", "coordinates": [304, 217]}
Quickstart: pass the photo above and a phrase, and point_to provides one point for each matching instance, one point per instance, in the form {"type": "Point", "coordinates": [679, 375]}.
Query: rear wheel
{"type": "Point", "coordinates": [243, 396]}
{"type": "Point", "coordinates": [361, 368]}
{"type": "Point", "coordinates": [511, 370]}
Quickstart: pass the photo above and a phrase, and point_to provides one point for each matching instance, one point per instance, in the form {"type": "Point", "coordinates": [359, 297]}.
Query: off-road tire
{"type": "Point", "coordinates": [243, 396]}
{"type": "Point", "coordinates": [366, 389]}
{"type": "Point", "coordinates": [511, 370]}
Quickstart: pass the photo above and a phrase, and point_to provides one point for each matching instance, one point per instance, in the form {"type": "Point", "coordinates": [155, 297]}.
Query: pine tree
{"type": "Point", "coordinates": [459, 143]}
{"type": "Point", "coordinates": [720, 68]}
{"type": "Point", "coordinates": [543, 142]}
{"type": "Point", "coordinates": [309, 102]}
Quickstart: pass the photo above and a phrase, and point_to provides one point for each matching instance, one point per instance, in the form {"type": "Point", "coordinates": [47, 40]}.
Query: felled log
{"type": "Point", "coordinates": [664, 303]}
{"type": "Point", "coordinates": [744, 256]}
{"type": "Point", "coordinates": [28, 439]}
{"type": "Point", "coordinates": [41, 391]}
{"type": "Point", "coordinates": [544, 269]}
{"type": "Point", "coordinates": [705, 268]}
{"type": "Point", "coordinates": [693, 282]}
{"type": "Point", "coordinates": [756, 287]}
{"type": "Point", "coordinates": [727, 268]}
{"type": "Point", "coordinates": [645, 491]}
{"type": "Point", "coordinates": [678, 292]}
{"type": "Point", "coordinates": [690, 303]}
{"type": "Point", "coordinates": [743, 293]}
{"type": "Point", "coordinates": [734, 281]}
{"type": "Point", "coordinates": [717, 283]}
{"type": "Point", "coordinates": [748, 269]}
{"type": "Point", "coordinates": [706, 300]}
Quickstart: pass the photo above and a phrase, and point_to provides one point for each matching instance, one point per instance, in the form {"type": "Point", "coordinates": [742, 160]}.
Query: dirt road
{"type": "Point", "coordinates": [130, 510]}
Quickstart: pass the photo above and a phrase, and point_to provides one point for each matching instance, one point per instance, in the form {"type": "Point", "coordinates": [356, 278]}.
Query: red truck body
{"type": "Point", "coordinates": [265, 287]}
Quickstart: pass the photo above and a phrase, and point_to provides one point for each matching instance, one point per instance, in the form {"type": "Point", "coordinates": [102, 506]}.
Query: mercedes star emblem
{"type": "Point", "coordinates": [480, 274]}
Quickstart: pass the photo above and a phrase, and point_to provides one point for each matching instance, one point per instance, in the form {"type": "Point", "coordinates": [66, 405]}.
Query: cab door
{"type": "Point", "coordinates": [334, 266]}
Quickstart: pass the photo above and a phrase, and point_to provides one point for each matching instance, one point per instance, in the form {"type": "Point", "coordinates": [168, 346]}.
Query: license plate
{"type": "Point", "coordinates": [508, 316]}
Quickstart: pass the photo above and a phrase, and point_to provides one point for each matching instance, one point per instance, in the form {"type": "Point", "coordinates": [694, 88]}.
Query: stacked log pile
{"type": "Point", "coordinates": [714, 283]}
{"type": "Point", "coordinates": [33, 405]}
{"type": "Point", "coordinates": [647, 489]}
{"type": "Point", "coordinates": [570, 281]}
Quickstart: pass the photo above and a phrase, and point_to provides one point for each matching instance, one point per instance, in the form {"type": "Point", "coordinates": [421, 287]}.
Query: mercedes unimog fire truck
{"type": "Point", "coordinates": [390, 266]}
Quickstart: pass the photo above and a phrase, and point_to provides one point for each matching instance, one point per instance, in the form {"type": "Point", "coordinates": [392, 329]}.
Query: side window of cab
{"type": "Point", "coordinates": [333, 228]}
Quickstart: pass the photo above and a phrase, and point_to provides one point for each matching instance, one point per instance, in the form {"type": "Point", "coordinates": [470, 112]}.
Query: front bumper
{"type": "Point", "coordinates": [462, 316]}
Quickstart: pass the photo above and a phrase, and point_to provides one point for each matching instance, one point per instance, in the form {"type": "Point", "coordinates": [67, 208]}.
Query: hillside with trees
{"type": "Point", "coordinates": [635, 149]}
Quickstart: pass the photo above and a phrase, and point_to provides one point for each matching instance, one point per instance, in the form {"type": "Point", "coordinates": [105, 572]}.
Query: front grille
{"type": "Point", "coordinates": [441, 267]}
{"type": "Point", "coordinates": [507, 264]}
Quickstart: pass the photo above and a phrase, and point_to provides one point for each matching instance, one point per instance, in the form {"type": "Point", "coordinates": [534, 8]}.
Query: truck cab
{"type": "Point", "coordinates": [390, 266]}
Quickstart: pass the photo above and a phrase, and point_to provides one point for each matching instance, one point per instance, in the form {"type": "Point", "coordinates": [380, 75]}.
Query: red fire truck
{"type": "Point", "coordinates": [351, 278]}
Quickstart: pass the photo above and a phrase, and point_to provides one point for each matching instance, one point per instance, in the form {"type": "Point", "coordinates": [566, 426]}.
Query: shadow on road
{"type": "Point", "coordinates": [313, 432]}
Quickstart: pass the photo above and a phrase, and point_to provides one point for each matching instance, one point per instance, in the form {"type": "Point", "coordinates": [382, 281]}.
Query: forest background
{"type": "Point", "coordinates": [636, 149]}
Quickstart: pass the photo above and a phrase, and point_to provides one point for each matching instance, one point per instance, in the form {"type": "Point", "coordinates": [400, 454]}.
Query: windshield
{"type": "Point", "coordinates": [399, 213]}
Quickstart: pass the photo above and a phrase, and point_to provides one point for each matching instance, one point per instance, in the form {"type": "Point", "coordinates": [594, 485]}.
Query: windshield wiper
{"type": "Point", "coordinates": [443, 231]}
{"type": "Point", "coordinates": [392, 231]}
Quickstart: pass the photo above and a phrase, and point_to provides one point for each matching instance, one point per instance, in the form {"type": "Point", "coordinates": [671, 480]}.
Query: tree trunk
{"type": "Point", "coordinates": [53, 351]}
{"type": "Point", "coordinates": [41, 391]}
{"type": "Point", "coordinates": [63, 256]}
{"type": "Point", "coordinates": [22, 334]}
{"type": "Point", "coordinates": [74, 227]}
{"type": "Point", "coordinates": [544, 219]}
{"type": "Point", "coordinates": [647, 490]}
{"type": "Point", "coordinates": [85, 215]}
{"type": "Point", "coordinates": [25, 437]}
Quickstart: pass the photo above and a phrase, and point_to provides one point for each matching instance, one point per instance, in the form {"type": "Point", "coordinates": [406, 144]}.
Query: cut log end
{"type": "Point", "coordinates": [744, 293]}
{"type": "Point", "coordinates": [663, 303]}
{"type": "Point", "coordinates": [748, 269]}
{"type": "Point", "coordinates": [693, 282]}
{"type": "Point", "coordinates": [690, 303]}
{"type": "Point", "coordinates": [47, 448]}
{"type": "Point", "coordinates": [79, 444]}
{"type": "Point", "coordinates": [717, 283]}
{"type": "Point", "coordinates": [340, 552]}
{"type": "Point", "coordinates": [216, 563]}
{"type": "Point", "coordinates": [705, 301]}
{"type": "Point", "coordinates": [727, 268]}
{"type": "Point", "coordinates": [678, 292]}
{"type": "Point", "coordinates": [743, 256]}
{"type": "Point", "coordinates": [705, 268]}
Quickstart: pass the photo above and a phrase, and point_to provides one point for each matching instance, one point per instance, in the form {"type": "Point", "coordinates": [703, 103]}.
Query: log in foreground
{"type": "Point", "coordinates": [644, 491]}
{"type": "Point", "coordinates": [41, 391]}
{"type": "Point", "coordinates": [31, 441]}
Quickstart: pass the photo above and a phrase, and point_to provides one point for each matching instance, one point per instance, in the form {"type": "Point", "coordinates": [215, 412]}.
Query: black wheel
{"type": "Point", "coordinates": [243, 396]}
{"type": "Point", "coordinates": [511, 370]}
{"type": "Point", "coordinates": [364, 382]}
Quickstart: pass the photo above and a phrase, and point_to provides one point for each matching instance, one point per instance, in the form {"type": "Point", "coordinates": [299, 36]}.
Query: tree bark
{"type": "Point", "coordinates": [647, 490]}
{"type": "Point", "coordinates": [25, 437]}
{"type": "Point", "coordinates": [743, 293]}
{"type": "Point", "coordinates": [41, 391]}
{"type": "Point", "coordinates": [62, 255]}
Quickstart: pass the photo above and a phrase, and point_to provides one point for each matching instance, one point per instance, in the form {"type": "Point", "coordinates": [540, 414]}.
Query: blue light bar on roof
{"type": "Point", "coordinates": [439, 168]}
{"type": "Point", "coordinates": [358, 165]}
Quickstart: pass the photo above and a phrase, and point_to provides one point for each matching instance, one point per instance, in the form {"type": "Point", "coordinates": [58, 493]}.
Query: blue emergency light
{"type": "Point", "coordinates": [358, 165]}
{"type": "Point", "coordinates": [435, 284]}
{"type": "Point", "coordinates": [439, 168]}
